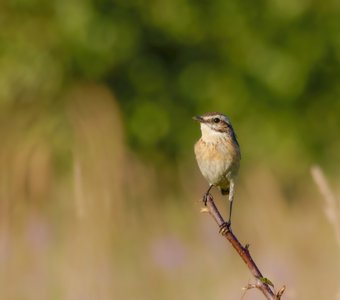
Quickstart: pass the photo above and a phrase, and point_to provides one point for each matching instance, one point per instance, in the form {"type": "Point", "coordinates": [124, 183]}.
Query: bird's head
{"type": "Point", "coordinates": [214, 126]}
{"type": "Point", "coordinates": [214, 122]}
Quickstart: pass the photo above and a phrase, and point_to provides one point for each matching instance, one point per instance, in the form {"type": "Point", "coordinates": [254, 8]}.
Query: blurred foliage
{"type": "Point", "coordinates": [272, 66]}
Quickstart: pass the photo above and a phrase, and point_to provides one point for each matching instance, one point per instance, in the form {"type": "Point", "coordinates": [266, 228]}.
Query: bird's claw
{"type": "Point", "coordinates": [224, 227]}
{"type": "Point", "coordinates": [205, 199]}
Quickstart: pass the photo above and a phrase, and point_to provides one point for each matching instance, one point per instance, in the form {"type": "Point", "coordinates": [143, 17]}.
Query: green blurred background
{"type": "Point", "coordinates": [99, 188]}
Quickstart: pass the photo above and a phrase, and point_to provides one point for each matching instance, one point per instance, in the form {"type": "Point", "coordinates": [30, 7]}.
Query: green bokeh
{"type": "Point", "coordinates": [272, 66]}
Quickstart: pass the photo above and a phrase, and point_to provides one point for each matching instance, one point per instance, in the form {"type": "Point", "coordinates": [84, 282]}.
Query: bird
{"type": "Point", "coordinates": [218, 155]}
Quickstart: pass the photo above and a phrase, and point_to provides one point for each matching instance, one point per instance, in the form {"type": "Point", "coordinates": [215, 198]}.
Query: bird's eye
{"type": "Point", "coordinates": [216, 120]}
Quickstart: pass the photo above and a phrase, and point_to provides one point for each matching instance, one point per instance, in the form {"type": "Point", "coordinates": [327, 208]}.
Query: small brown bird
{"type": "Point", "coordinates": [218, 154]}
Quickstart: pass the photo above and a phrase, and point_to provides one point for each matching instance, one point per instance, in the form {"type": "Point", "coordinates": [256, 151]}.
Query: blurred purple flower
{"type": "Point", "coordinates": [168, 253]}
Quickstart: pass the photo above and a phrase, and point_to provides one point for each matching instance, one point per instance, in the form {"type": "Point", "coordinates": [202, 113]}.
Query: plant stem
{"type": "Point", "coordinates": [262, 283]}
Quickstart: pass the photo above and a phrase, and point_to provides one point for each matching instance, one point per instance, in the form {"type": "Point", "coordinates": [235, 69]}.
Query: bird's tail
{"type": "Point", "coordinates": [225, 191]}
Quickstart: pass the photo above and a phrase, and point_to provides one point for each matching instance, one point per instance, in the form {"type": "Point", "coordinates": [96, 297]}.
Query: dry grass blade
{"type": "Point", "coordinates": [331, 206]}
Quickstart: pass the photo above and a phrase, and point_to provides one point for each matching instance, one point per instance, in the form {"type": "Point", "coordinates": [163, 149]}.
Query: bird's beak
{"type": "Point", "coordinates": [198, 118]}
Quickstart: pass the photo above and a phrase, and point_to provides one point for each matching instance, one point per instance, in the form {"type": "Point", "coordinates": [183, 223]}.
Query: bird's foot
{"type": "Point", "coordinates": [225, 227]}
{"type": "Point", "coordinates": [205, 198]}
{"type": "Point", "coordinates": [206, 195]}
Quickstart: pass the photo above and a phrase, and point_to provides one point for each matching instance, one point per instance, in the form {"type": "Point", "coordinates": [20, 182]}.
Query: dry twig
{"type": "Point", "coordinates": [261, 283]}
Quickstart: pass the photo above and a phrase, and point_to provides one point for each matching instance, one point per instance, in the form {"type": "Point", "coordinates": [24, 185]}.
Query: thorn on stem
{"type": "Point", "coordinates": [249, 286]}
{"type": "Point", "coordinates": [280, 292]}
